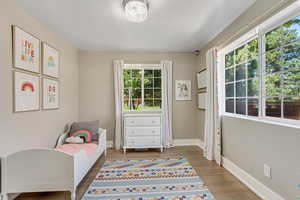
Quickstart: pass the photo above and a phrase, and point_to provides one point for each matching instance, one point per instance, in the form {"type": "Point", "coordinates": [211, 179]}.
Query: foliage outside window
{"type": "Point", "coordinates": [142, 89]}
{"type": "Point", "coordinates": [280, 91]}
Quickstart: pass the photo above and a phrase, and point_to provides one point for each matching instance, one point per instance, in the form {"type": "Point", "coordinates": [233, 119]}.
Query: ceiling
{"type": "Point", "coordinates": [173, 25]}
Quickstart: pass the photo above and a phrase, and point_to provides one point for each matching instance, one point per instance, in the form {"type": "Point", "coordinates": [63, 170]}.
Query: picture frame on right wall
{"type": "Point", "coordinates": [202, 79]}
{"type": "Point", "coordinates": [50, 94]}
{"type": "Point", "coordinates": [50, 61]}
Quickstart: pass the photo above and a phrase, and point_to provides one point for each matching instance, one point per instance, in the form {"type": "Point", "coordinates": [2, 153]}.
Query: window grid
{"type": "Point", "coordinates": [285, 68]}
{"type": "Point", "coordinates": [155, 101]}
{"type": "Point", "coordinates": [245, 65]}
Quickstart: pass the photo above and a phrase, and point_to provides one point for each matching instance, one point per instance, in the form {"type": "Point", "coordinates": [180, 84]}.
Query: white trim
{"type": "Point", "coordinates": [255, 185]}
{"type": "Point", "coordinates": [189, 142]}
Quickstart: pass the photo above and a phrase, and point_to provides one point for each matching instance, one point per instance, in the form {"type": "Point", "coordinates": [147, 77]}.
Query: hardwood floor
{"type": "Point", "coordinates": [220, 182]}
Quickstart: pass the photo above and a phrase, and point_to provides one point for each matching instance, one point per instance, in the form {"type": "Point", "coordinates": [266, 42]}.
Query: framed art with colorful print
{"type": "Point", "coordinates": [26, 50]}
{"type": "Point", "coordinates": [50, 94]}
{"type": "Point", "coordinates": [26, 92]}
{"type": "Point", "coordinates": [50, 61]}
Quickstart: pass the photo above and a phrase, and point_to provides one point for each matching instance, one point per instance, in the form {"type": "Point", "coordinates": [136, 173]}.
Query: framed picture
{"type": "Point", "coordinates": [50, 60]}
{"type": "Point", "coordinates": [183, 90]}
{"type": "Point", "coordinates": [202, 101]}
{"type": "Point", "coordinates": [50, 94]}
{"type": "Point", "coordinates": [26, 92]}
{"type": "Point", "coordinates": [202, 79]}
{"type": "Point", "coordinates": [26, 50]}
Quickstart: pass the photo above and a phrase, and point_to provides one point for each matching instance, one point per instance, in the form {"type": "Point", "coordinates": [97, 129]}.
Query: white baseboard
{"type": "Point", "coordinates": [177, 142]}
{"type": "Point", "coordinates": [188, 142]}
{"type": "Point", "coordinates": [256, 186]}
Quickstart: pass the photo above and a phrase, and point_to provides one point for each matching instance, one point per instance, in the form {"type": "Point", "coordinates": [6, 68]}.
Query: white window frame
{"type": "Point", "coordinates": [259, 32]}
{"type": "Point", "coordinates": [143, 67]}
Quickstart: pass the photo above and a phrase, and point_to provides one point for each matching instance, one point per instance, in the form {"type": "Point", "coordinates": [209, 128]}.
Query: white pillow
{"type": "Point", "coordinates": [74, 140]}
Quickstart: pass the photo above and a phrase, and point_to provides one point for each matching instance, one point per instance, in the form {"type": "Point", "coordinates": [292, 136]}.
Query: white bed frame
{"type": "Point", "coordinates": [47, 170]}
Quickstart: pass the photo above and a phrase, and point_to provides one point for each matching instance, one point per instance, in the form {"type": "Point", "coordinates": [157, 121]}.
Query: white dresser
{"type": "Point", "coordinates": [142, 131]}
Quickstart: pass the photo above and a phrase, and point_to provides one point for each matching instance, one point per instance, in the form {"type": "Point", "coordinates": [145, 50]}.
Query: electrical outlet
{"type": "Point", "coordinates": [267, 171]}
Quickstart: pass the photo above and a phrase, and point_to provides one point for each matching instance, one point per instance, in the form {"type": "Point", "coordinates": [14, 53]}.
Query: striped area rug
{"type": "Point", "coordinates": [157, 179]}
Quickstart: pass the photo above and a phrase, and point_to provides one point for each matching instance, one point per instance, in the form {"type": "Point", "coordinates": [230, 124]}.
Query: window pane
{"type": "Point", "coordinates": [148, 82]}
{"type": "Point", "coordinates": [290, 57]}
{"type": "Point", "coordinates": [127, 73]}
{"type": "Point", "coordinates": [253, 85]}
{"type": "Point", "coordinates": [291, 83]}
{"type": "Point", "coordinates": [157, 104]}
{"type": "Point", "coordinates": [240, 72]}
{"type": "Point", "coordinates": [157, 73]}
{"type": "Point", "coordinates": [126, 104]}
{"type": "Point", "coordinates": [291, 30]}
{"type": "Point", "coordinates": [253, 49]}
{"type": "Point", "coordinates": [272, 85]}
{"type": "Point", "coordinates": [157, 82]}
{"type": "Point", "coordinates": [229, 107]}
{"type": "Point", "coordinates": [148, 103]}
{"type": "Point", "coordinates": [136, 104]}
{"type": "Point", "coordinates": [273, 61]}
{"type": "Point", "coordinates": [241, 106]}
{"type": "Point", "coordinates": [127, 82]}
{"type": "Point", "coordinates": [230, 90]}
{"type": "Point", "coordinates": [273, 38]}
{"type": "Point", "coordinates": [273, 107]}
{"type": "Point", "coordinates": [229, 59]}
{"type": "Point", "coordinates": [252, 69]}
{"type": "Point", "coordinates": [157, 94]}
{"type": "Point", "coordinates": [137, 73]}
{"type": "Point", "coordinates": [126, 94]}
{"type": "Point", "coordinates": [148, 73]}
{"type": "Point", "coordinates": [148, 94]}
{"type": "Point", "coordinates": [291, 108]}
{"type": "Point", "coordinates": [253, 107]}
{"type": "Point", "coordinates": [240, 55]}
{"type": "Point", "coordinates": [241, 89]}
{"type": "Point", "coordinates": [137, 93]}
{"type": "Point", "coordinates": [136, 83]}
{"type": "Point", "coordinates": [229, 76]}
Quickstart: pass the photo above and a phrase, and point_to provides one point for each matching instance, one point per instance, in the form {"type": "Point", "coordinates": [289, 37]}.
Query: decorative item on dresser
{"type": "Point", "coordinates": [142, 131]}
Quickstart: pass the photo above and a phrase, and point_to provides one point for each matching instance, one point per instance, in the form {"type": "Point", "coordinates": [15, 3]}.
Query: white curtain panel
{"type": "Point", "coordinates": [212, 133]}
{"type": "Point", "coordinates": [167, 69]}
{"type": "Point", "coordinates": [118, 82]}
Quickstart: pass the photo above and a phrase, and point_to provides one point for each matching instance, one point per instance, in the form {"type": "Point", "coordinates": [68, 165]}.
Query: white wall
{"type": "Point", "coordinates": [97, 92]}
{"type": "Point", "coordinates": [41, 128]}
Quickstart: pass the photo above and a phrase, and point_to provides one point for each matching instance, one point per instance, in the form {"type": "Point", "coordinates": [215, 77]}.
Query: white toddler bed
{"type": "Point", "coordinates": [47, 170]}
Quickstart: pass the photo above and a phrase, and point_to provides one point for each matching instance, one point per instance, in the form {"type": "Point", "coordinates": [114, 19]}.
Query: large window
{"type": "Point", "coordinates": [262, 74]}
{"type": "Point", "coordinates": [142, 88]}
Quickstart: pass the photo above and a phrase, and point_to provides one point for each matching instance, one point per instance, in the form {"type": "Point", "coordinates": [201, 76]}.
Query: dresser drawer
{"type": "Point", "coordinates": [143, 141]}
{"type": "Point", "coordinates": [142, 131]}
{"type": "Point", "coordinates": [142, 121]}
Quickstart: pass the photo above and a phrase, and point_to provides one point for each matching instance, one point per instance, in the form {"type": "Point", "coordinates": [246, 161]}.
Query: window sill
{"type": "Point", "coordinates": [266, 120]}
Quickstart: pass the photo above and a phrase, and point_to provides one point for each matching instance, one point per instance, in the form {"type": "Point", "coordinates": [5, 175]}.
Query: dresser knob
{"type": "Point", "coordinates": [153, 122]}
{"type": "Point", "coordinates": [153, 131]}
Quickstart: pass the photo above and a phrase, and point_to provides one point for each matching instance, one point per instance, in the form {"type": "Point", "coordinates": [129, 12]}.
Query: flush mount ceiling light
{"type": "Point", "coordinates": [136, 10]}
